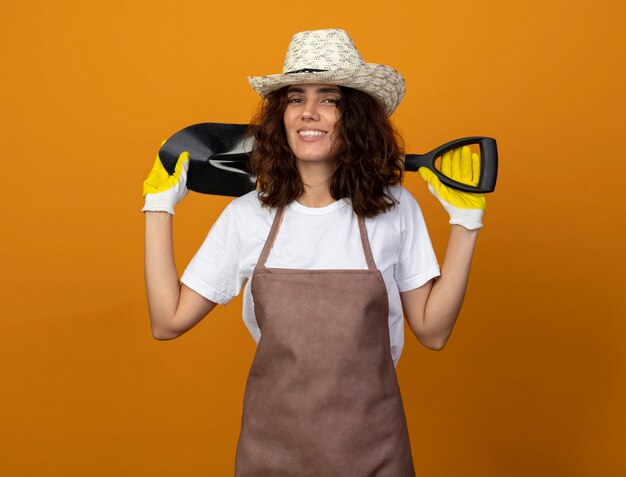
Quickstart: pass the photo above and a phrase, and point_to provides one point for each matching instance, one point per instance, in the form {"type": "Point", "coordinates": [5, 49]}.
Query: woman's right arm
{"type": "Point", "coordinates": [174, 308]}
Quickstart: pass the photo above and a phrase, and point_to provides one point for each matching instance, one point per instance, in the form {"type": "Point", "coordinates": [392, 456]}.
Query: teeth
{"type": "Point", "coordinates": [311, 133]}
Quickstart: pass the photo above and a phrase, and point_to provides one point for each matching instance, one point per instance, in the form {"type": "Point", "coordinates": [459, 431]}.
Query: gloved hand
{"type": "Point", "coordinates": [465, 208]}
{"type": "Point", "coordinates": [163, 191]}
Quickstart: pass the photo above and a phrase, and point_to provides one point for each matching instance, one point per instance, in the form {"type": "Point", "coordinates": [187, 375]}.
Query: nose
{"type": "Point", "coordinates": [309, 111]}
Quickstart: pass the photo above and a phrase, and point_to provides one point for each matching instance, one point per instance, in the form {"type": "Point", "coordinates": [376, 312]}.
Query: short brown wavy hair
{"type": "Point", "coordinates": [369, 154]}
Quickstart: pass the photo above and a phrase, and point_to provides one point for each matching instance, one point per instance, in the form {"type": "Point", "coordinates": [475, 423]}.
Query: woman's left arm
{"type": "Point", "coordinates": [432, 309]}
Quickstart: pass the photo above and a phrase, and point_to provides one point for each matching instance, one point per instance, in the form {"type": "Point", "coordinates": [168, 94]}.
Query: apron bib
{"type": "Point", "coordinates": [322, 397]}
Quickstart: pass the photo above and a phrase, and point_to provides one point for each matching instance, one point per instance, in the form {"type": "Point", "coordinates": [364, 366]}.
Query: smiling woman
{"type": "Point", "coordinates": [332, 251]}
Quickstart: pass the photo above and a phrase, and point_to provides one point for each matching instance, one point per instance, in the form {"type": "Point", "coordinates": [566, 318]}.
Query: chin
{"type": "Point", "coordinates": [316, 159]}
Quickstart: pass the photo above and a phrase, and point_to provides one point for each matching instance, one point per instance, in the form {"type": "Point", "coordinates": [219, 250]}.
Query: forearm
{"type": "Point", "coordinates": [448, 291]}
{"type": "Point", "coordinates": [162, 285]}
{"type": "Point", "coordinates": [432, 309]}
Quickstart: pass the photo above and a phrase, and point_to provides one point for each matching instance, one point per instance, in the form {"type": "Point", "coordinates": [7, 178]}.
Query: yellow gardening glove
{"type": "Point", "coordinates": [163, 191]}
{"type": "Point", "coordinates": [465, 208]}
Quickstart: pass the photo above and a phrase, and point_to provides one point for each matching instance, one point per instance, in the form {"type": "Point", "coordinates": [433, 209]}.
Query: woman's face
{"type": "Point", "coordinates": [310, 119]}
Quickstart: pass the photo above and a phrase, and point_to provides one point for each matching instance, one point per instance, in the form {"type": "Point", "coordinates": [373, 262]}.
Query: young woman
{"type": "Point", "coordinates": [333, 253]}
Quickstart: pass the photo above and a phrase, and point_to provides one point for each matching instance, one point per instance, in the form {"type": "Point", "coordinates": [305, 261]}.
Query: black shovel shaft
{"type": "Point", "coordinates": [220, 163]}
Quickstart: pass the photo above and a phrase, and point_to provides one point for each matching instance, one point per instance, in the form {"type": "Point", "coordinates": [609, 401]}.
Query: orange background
{"type": "Point", "coordinates": [532, 381]}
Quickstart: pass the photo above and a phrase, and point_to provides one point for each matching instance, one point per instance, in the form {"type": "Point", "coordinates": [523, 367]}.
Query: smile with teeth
{"type": "Point", "coordinates": [311, 133]}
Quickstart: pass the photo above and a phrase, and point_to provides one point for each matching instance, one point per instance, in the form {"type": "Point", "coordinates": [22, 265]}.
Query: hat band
{"type": "Point", "coordinates": [305, 70]}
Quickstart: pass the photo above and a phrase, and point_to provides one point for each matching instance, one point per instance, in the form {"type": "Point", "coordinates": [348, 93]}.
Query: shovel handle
{"type": "Point", "coordinates": [488, 163]}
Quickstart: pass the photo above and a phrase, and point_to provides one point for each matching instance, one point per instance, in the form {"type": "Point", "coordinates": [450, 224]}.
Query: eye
{"type": "Point", "coordinates": [331, 100]}
{"type": "Point", "coordinates": [294, 100]}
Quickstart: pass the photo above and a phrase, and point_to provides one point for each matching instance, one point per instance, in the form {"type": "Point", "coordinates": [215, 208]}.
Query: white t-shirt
{"type": "Point", "coordinates": [314, 238]}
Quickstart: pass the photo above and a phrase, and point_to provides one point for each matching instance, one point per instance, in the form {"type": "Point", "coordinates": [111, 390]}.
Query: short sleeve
{"type": "Point", "coordinates": [417, 262]}
{"type": "Point", "coordinates": [214, 270]}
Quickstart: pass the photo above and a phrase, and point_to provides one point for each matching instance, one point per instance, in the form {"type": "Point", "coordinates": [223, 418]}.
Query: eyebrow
{"type": "Point", "coordinates": [297, 89]}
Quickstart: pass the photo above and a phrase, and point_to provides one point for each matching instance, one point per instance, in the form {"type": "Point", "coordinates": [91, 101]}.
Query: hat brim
{"type": "Point", "coordinates": [382, 82]}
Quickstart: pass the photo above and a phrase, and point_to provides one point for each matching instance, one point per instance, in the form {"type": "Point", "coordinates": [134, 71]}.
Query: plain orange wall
{"type": "Point", "coordinates": [532, 381]}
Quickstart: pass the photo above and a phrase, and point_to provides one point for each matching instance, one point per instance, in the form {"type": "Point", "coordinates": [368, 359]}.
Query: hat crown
{"type": "Point", "coordinates": [330, 49]}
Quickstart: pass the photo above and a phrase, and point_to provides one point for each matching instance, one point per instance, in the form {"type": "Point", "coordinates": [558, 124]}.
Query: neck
{"type": "Point", "coordinates": [316, 180]}
{"type": "Point", "coordinates": [316, 198]}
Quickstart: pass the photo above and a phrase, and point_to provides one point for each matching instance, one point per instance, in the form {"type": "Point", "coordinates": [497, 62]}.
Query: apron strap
{"type": "Point", "coordinates": [369, 258]}
{"type": "Point", "coordinates": [278, 218]}
{"type": "Point", "coordinates": [269, 242]}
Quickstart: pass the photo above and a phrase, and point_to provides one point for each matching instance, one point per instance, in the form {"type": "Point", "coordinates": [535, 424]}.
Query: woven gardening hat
{"type": "Point", "coordinates": [330, 57]}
